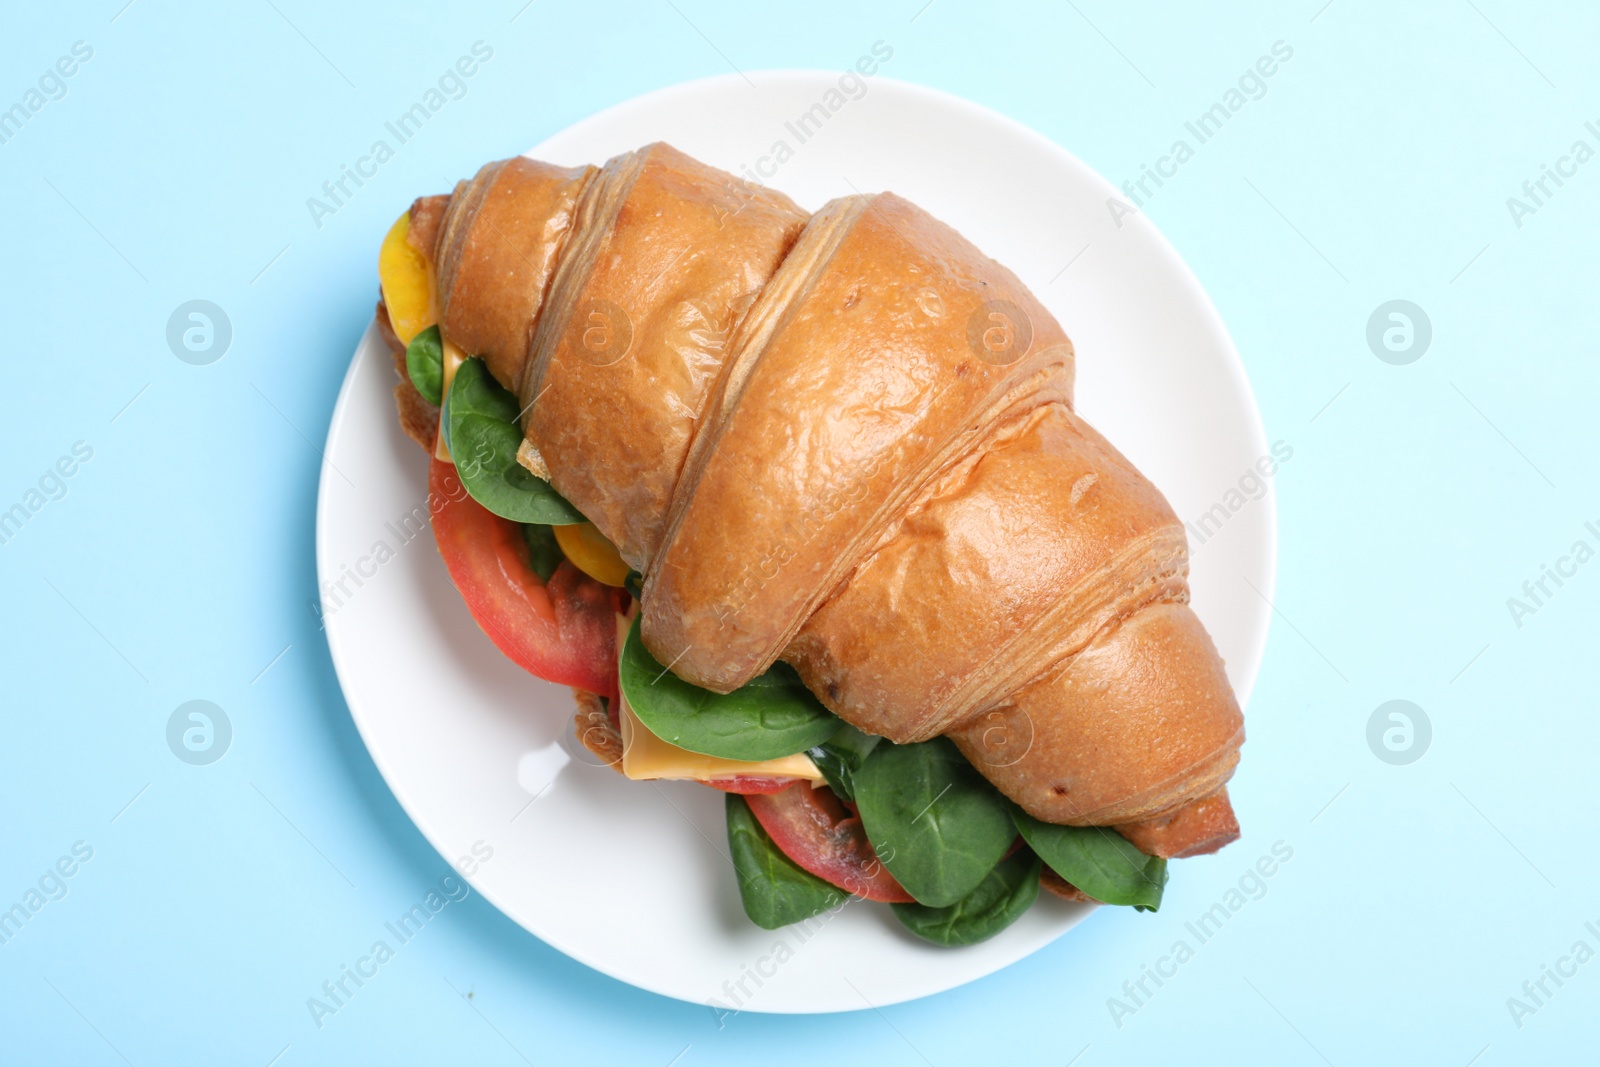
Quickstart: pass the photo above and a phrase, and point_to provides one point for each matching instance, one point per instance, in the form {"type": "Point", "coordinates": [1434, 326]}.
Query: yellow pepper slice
{"type": "Point", "coordinates": [591, 553]}
{"type": "Point", "coordinates": [406, 282]}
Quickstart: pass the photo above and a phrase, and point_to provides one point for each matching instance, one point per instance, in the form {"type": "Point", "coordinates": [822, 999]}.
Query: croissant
{"type": "Point", "coordinates": [847, 441]}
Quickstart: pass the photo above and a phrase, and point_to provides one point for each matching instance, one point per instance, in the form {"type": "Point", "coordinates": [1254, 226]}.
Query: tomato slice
{"type": "Point", "coordinates": [562, 631]}
{"type": "Point", "coordinates": [750, 784]}
{"type": "Point", "coordinates": [815, 830]}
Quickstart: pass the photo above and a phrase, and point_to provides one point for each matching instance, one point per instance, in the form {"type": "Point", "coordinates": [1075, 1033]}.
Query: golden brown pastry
{"type": "Point", "coordinates": [848, 441]}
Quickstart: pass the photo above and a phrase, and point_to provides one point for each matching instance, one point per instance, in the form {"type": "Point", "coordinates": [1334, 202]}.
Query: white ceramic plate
{"type": "Point", "coordinates": [632, 878]}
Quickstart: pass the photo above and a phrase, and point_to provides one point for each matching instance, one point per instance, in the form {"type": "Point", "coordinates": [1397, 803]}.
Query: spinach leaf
{"type": "Point", "coordinates": [841, 756]}
{"type": "Point", "coordinates": [544, 554]}
{"type": "Point", "coordinates": [770, 716]}
{"type": "Point", "coordinates": [480, 428]}
{"type": "Point", "coordinates": [935, 822]}
{"type": "Point", "coordinates": [1008, 890]}
{"type": "Point", "coordinates": [775, 890]}
{"type": "Point", "coordinates": [1097, 860]}
{"type": "Point", "coordinates": [425, 364]}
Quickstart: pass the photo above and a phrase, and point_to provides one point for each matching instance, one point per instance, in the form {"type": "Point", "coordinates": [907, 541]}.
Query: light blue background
{"type": "Point", "coordinates": [179, 564]}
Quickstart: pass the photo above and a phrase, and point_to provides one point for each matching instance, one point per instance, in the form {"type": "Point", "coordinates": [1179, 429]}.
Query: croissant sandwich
{"type": "Point", "coordinates": [801, 508]}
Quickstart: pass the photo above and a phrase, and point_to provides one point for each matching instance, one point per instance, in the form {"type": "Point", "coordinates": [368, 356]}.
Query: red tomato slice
{"type": "Point", "coordinates": [562, 631]}
{"type": "Point", "coordinates": [748, 784]}
{"type": "Point", "coordinates": [815, 830]}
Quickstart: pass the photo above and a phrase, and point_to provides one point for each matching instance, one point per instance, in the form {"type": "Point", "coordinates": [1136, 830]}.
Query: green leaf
{"type": "Point", "coordinates": [480, 429]}
{"type": "Point", "coordinates": [775, 890]}
{"type": "Point", "coordinates": [936, 823]}
{"type": "Point", "coordinates": [1008, 890]}
{"type": "Point", "coordinates": [1097, 860]}
{"type": "Point", "coordinates": [841, 756]}
{"type": "Point", "coordinates": [544, 554]}
{"type": "Point", "coordinates": [425, 364]}
{"type": "Point", "coordinates": [770, 716]}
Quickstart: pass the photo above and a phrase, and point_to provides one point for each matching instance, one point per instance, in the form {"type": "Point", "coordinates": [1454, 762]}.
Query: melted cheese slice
{"type": "Point", "coordinates": [646, 756]}
{"type": "Point", "coordinates": [453, 358]}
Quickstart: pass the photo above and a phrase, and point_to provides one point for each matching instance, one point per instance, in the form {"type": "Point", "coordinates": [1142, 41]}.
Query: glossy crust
{"type": "Point", "coordinates": [427, 221]}
{"type": "Point", "coordinates": [1203, 826]}
{"type": "Point", "coordinates": [498, 247]}
{"type": "Point", "coordinates": [1017, 558]}
{"type": "Point", "coordinates": [669, 256]}
{"type": "Point", "coordinates": [864, 386]}
{"type": "Point", "coordinates": [849, 442]}
{"type": "Point", "coordinates": [1139, 723]}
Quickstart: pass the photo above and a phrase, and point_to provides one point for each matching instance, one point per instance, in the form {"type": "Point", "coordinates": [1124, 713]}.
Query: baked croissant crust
{"type": "Point", "coordinates": [847, 440]}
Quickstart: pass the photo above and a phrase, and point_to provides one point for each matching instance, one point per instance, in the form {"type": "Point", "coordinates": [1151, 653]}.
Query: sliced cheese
{"type": "Point", "coordinates": [646, 756]}
{"type": "Point", "coordinates": [453, 358]}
